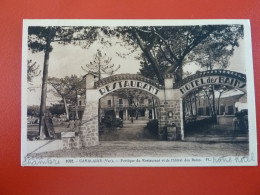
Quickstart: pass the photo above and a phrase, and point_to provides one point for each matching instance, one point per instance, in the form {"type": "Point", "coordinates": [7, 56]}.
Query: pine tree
{"type": "Point", "coordinates": [40, 39]}
{"type": "Point", "coordinates": [101, 65]}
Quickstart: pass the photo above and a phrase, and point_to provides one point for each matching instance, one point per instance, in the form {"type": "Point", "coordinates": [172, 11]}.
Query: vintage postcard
{"type": "Point", "coordinates": [156, 93]}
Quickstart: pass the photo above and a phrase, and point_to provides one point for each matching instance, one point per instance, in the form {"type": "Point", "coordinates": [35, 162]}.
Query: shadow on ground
{"type": "Point", "coordinates": [216, 133]}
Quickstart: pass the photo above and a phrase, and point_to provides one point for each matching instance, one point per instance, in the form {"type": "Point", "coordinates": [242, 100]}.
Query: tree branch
{"type": "Point", "coordinates": [167, 46]}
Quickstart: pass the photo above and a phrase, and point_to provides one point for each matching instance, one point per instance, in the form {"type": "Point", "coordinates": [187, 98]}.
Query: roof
{"type": "Point", "coordinates": [92, 73]}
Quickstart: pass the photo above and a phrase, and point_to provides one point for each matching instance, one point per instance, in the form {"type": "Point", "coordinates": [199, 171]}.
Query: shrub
{"type": "Point", "coordinates": [198, 124]}
{"type": "Point", "coordinates": [152, 126]}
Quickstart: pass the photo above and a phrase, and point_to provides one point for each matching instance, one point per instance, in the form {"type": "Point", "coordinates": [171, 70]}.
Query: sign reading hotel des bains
{"type": "Point", "coordinates": [229, 79]}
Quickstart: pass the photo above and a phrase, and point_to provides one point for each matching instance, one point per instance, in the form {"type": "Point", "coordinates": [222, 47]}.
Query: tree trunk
{"type": "Point", "coordinates": [99, 71]}
{"type": "Point", "coordinates": [209, 103]}
{"type": "Point", "coordinates": [66, 108]}
{"type": "Point", "coordinates": [153, 109]}
{"type": "Point", "coordinates": [131, 111]}
{"type": "Point", "coordinates": [42, 129]}
{"type": "Point", "coordinates": [149, 56]}
{"type": "Point", "coordinates": [114, 106]}
{"type": "Point", "coordinates": [218, 111]}
{"type": "Point", "coordinates": [184, 112]}
{"type": "Point", "coordinates": [196, 108]}
{"type": "Point", "coordinates": [178, 72]}
{"type": "Point", "coordinates": [76, 107]}
{"type": "Point", "coordinates": [191, 107]}
{"type": "Point", "coordinates": [155, 65]}
{"type": "Point", "coordinates": [99, 107]}
{"type": "Point", "coordinates": [214, 104]}
{"type": "Point", "coordinates": [186, 108]}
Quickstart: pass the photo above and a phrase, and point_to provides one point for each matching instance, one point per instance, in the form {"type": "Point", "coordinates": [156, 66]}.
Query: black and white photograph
{"type": "Point", "coordinates": [157, 93]}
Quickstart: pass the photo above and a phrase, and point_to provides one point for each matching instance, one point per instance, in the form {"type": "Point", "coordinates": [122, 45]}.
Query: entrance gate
{"type": "Point", "coordinates": [170, 96]}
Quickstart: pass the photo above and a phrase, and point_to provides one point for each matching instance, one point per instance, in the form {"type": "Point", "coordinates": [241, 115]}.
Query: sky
{"type": "Point", "coordinates": [68, 60]}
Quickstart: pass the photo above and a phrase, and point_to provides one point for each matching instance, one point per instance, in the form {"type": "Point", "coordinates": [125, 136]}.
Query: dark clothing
{"type": "Point", "coordinates": [49, 127]}
{"type": "Point", "coordinates": [72, 125]}
{"type": "Point", "coordinates": [77, 125]}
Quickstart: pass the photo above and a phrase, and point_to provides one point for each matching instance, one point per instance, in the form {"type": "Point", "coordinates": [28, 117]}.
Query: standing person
{"type": "Point", "coordinates": [49, 125]}
{"type": "Point", "coordinates": [77, 126]}
{"type": "Point", "coordinates": [71, 124]}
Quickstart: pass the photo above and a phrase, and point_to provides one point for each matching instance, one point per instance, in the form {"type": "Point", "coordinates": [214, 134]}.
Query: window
{"type": "Point", "coordinates": [200, 111]}
{"type": "Point", "coordinates": [109, 103]}
{"type": "Point", "coordinates": [80, 102]}
{"type": "Point", "coordinates": [222, 110]}
{"type": "Point", "coordinates": [142, 101]}
{"type": "Point", "coordinates": [207, 111]}
{"type": "Point", "coordinates": [230, 110]}
{"type": "Point", "coordinates": [142, 112]}
{"type": "Point", "coordinates": [150, 101]}
{"type": "Point", "coordinates": [150, 114]}
{"type": "Point", "coordinates": [120, 102]}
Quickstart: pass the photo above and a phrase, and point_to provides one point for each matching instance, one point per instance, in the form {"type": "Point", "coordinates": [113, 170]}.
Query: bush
{"type": "Point", "coordinates": [198, 124]}
{"type": "Point", "coordinates": [152, 126]}
{"type": "Point", "coordinates": [33, 110]}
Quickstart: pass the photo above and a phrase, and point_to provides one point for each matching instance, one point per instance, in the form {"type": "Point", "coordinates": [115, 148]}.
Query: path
{"type": "Point", "coordinates": [130, 132]}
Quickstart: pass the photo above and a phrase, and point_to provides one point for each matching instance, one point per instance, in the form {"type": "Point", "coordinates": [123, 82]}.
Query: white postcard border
{"type": "Point", "coordinates": [250, 160]}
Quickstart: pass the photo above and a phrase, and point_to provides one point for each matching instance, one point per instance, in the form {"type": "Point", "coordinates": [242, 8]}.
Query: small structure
{"type": "Point", "coordinates": [70, 140]}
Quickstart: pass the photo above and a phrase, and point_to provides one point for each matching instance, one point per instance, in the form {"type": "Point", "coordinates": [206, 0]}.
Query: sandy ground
{"type": "Point", "coordinates": [133, 140]}
{"type": "Point", "coordinates": [153, 149]}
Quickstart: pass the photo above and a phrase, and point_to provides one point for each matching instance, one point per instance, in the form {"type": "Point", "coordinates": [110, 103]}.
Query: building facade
{"type": "Point", "coordinates": [228, 104]}
{"type": "Point", "coordinates": [113, 106]}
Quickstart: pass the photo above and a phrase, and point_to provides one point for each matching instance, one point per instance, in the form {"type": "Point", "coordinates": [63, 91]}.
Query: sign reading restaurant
{"type": "Point", "coordinates": [128, 84]}
{"type": "Point", "coordinates": [214, 80]}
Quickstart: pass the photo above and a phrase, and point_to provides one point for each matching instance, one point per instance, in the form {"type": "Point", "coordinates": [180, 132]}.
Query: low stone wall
{"type": "Point", "coordinates": [84, 139]}
{"type": "Point", "coordinates": [171, 133]}
{"type": "Point", "coordinates": [225, 120]}
{"type": "Point", "coordinates": [70, 140]}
